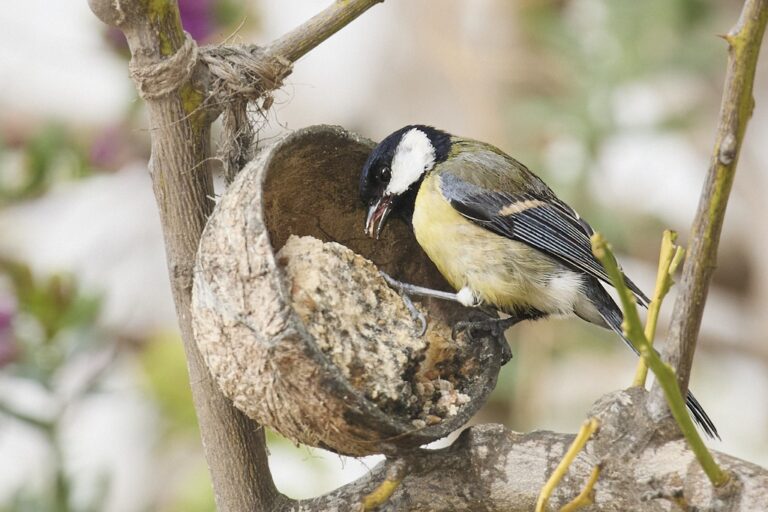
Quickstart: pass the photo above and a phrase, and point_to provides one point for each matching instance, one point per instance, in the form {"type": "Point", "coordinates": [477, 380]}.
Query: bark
{"type": "Point", "coordinates": [645, 466]}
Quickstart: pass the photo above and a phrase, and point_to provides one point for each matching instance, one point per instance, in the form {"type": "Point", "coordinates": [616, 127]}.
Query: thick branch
{"type": "Point", "coordinates": [181, 177]}
{"type": "Point", "coordinates": [736, 108]}
{"type": "Point", "coordinates": [490, 468]}
{"type": "Point", "coordinates": [175, 87]}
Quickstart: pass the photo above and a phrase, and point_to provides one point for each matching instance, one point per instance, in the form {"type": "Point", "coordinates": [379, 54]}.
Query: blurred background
{"type": "Point", "coordinates": [613, 102]}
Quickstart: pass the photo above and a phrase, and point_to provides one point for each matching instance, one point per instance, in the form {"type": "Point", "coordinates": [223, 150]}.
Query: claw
{"type": "Point", "coordinates": [493, 328]}
{"type": "Point", "coordinates": [417, 315]}
{"type": "Point", "coordinates": [506, 351]}
{"type": "Point", "coordinates": [472, 328]}
{"type": "Point", "coordinates": [458, 328]}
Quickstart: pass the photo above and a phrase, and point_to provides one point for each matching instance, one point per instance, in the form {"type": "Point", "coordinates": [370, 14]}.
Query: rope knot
{"type": "Point", "coordinates": [243, 72]}
{"type": "Point", "coordinates": [162, 78]}
{"type": "Point", "coordinates": [239, 75]}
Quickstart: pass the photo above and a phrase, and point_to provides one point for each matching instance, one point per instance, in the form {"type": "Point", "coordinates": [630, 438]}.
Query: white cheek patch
{"type": "Point", "coordinates": [413, 157]}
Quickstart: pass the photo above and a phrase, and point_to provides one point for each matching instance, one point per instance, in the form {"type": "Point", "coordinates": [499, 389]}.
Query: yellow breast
{"type": "Point", "coordinates": [442, 232]}
{"type": "Point", "coordinates": [501, 272]}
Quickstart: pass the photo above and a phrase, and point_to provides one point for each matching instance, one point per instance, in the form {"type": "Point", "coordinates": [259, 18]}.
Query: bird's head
{"type": "Point", "coordinates": [394, 170]}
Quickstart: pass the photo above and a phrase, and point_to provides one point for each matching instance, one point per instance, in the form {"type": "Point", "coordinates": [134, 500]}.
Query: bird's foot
{"type": "Point", "coordinates": [487, 328]}
{"type": "Point", "coordinates": [417, 315]}
{"type": "Point", "coordinates": [401, 288]}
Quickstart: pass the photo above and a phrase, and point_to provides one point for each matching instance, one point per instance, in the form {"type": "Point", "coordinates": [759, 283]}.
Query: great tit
{"type": "Point", "coordinates": [495, 231]}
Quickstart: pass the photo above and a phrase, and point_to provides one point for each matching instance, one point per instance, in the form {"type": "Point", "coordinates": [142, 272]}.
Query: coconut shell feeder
{"type": "Point", "coordinates": [298, 327]}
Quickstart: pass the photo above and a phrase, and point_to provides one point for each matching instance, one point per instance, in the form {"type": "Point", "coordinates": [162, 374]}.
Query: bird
{"type": "Point", "coordinates": [495, 231]}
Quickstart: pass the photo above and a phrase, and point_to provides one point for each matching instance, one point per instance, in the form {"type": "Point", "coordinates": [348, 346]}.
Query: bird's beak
{"type": "Point", "coordinates": [377, 216]}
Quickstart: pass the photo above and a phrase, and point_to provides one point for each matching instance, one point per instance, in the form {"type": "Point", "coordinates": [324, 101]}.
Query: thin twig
{"type": "Point", "coordinates": [396, 472]}
{"type": "Point", "coordinates": [587, 429]}
{"type": "Point", "coordinates": [670, 257]}
{"type": "Point", "coordinates": [665, 375]}
{"type": "Point", "coordinates": [587, 494]}
{"type": "Point", "coordinates": [296, 43]}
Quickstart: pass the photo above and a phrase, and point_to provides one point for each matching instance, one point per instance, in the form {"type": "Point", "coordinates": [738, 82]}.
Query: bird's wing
{"type": "Point", "coordinates": [544, 223]}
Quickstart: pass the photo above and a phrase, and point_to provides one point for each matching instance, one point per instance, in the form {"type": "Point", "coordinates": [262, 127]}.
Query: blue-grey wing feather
{"type": "Point", "coordinates": [549, 225]}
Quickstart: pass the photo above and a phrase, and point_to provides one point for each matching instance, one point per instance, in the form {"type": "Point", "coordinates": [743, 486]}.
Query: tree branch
{"type": "Point", "coordinates": [493, 469]}
{"type": "Point", "coordinates": [175, 86]}
{"type": "Point", "coordinates": [181, 178]}
{"type": "Point", "coordinates": [296, 43]}
{"type": "Point", "coordinates": [735, 110]}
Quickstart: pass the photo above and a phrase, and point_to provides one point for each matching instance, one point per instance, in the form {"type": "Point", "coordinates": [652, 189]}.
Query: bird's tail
{"type": "Point", "coordinates": [612, 316]}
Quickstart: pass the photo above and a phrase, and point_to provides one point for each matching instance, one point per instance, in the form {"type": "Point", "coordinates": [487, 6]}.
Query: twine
{"type": "Point", "coordinates": [243, 72]}
{"type": "Point", "coordinates": [239, 75]}
{"type": "Point", "coordinates": [164, 77]}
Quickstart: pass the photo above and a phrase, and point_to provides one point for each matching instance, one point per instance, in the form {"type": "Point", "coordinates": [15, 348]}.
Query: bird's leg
{"type": "Point", "coordinates": [485, 326]}
{"type": "Point", "coordinates": [405, 291]}
{"type": "Point", "coordinates": [464, 297]}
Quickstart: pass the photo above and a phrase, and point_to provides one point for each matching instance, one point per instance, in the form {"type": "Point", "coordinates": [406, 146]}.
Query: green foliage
{"type": "Point", "coordinates": [194, 494]}
{"type": "Point", "coordinates": [589, 49]}
{"type": "Point", "coordinates": [596, 45]}
{"type": "Point", "coordinates": [55, 321]}
{"type": "Point", "coordinates": [57, 318]}
{"type": "Point", "coordinates": [50, 155]}
{"type": "Point", "coordinates": [167, 381]}
{"type": "Point", "coordinates": [33, 502]}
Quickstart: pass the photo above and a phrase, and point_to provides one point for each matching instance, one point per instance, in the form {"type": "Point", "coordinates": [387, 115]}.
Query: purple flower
{"type": "Point", "coordinates": [107, 147]}
{"type": "Point", "coordinates": [9, 350]}
{"type": "Point", "coordinates": [198, 17]}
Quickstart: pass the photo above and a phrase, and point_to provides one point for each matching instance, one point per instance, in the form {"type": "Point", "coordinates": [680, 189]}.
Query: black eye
{"type": "Point", "coordinates": [384, 174]}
